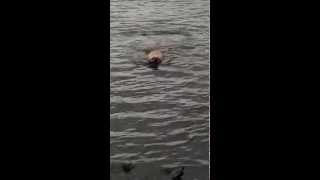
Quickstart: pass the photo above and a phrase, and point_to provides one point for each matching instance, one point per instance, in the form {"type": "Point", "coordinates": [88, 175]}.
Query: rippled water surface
{"type": "Point", "coordinates": [159, 118]}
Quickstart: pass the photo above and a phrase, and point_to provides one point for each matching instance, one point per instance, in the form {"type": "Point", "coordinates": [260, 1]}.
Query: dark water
{"type": "Point", "coordinates": [159, 118]}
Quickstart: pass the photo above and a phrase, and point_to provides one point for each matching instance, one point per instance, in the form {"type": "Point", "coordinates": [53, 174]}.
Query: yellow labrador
{"type": "Point", "coordinates": [154, 58]}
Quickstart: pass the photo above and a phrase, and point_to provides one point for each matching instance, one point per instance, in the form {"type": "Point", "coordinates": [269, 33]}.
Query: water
{"type": "Point", "coordinates": [159, 118]}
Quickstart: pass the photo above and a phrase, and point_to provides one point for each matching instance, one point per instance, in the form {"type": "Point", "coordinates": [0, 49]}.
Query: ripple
{"type": "Point", "coordinates": [172, 143]}
{"type": "Point", "coordinates": [131, 135]}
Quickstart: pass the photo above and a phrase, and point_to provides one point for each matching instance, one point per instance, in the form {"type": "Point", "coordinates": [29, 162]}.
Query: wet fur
{"type": "Point", "coordinates": [156, 54]}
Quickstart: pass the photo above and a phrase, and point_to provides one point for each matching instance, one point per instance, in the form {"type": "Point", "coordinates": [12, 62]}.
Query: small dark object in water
{"type": "Point", "coordinates": [127, 167]}
{"type": "Point", "coordinates": [176, 175]}
{"type": "Point", "coordinates": [166, 171]}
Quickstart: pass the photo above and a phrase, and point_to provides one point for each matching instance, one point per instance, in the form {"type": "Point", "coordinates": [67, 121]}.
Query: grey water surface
{"type": "Point", "coordinates": [159, 118]}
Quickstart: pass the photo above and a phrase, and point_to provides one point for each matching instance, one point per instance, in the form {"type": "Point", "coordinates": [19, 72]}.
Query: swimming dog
{"type": "Point", "coordinates": [154, 58]}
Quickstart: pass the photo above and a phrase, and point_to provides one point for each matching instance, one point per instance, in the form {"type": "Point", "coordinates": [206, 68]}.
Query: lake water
{"type": "Point", "coordinates": [159, 118]}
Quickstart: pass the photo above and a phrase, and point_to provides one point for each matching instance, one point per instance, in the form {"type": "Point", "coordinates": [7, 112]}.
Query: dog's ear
{"type": "Point", "coordinates": [147, 51]}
